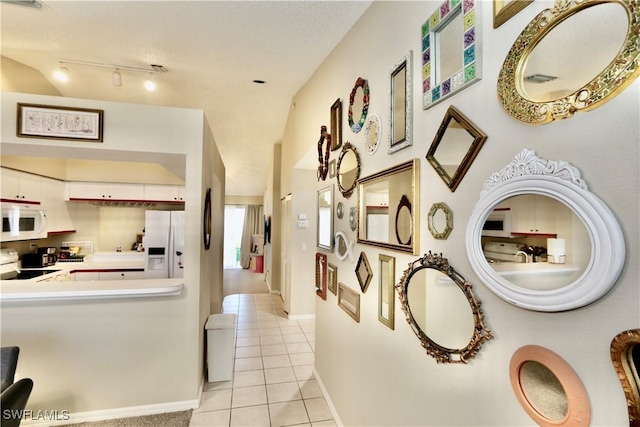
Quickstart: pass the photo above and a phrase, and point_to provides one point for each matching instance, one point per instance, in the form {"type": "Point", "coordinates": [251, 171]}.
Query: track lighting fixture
{"type": "Point", "coordinates": [116, 76]}
{"type": "Point", "coordinates": [62, 74]}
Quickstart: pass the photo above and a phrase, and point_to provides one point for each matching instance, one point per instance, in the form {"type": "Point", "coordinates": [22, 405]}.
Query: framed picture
{"type": "Point", "coordinates": [336, 125]}
{"type": "Point", "coordinates": [386, 295]}
{"type": "Point", "coordinates": [332, 278]}
{"type": "Point", "coordinates": [51, 122]}
{"type": "Point", "coordinates": [349, 301]}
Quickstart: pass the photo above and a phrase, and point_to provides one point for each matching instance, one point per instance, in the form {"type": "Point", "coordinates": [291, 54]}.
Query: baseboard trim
{"type": "Point", "coordinates": [332, 408]}
{"type": "Point", "coordinates": [110, 414]}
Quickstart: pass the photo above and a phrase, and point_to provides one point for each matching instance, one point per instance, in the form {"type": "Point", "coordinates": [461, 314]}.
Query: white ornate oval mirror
{"type": "Point", "coordinates": [572, 57]}
{"type": "Point", "coordinates": [442, 310]}
{"type": "Point", "coordinates": [548, 388]}
{"type": "Point", "coordinates": [592, 239]}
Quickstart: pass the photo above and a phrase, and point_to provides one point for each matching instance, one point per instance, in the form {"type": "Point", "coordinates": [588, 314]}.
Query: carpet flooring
{"type": "Point", "coordinates": [169, 419]}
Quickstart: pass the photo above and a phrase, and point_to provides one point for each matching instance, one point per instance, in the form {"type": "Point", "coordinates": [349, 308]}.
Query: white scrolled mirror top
{"type": "Point", "coordinates": [587, 232]}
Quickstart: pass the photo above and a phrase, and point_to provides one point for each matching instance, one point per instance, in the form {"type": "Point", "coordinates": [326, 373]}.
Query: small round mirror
{"type": "Point", "coordinates": [340, 210]}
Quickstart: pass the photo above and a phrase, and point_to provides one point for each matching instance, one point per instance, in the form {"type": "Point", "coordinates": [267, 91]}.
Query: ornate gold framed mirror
{"type": "Point", "coordinates": [455, 147]}
{"type": "Point", "coordinates": [442, 310]}
{"type": "Point", "coordinates": [594, 247]}
{"type": "Point", "coordinates": [440, 221]}
{"type": "Point", "coordinates": [348, 169]}
{"type": "Point", "coordinates": [548, 388]}
{"type": "Point", "coordinates": [503, 10]}
{"type": "Point", "coordinates": [396, 188]}
{"type": "Point", "coordinates": [625, 355]}
{"type": "Point", "coordinates": [321, 275]}
{"type": "Point", "coordinates": [336, 125]}
{"type": "Point", "coordinates": [324, 223]}
{"type": "Point", "coordinates": [358, 104]}
{"type": "Point", "coordinates": [363, 272]}
{"type": "Point", "coordinates": [572, 57]}
{"type": "Point", "coordinates": [451, 54]}
{"type": "Point", "coordinates": [323, 158]}
{"type": "Point", "coordinates": [401, 104]}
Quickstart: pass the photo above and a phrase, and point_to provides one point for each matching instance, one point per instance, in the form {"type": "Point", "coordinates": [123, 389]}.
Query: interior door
{"type": "Point", "coordinates": [285, 270]}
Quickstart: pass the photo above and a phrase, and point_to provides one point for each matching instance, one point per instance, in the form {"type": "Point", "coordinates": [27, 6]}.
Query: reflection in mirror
{"type": "Point", "coordinates": [455, 147]}
{"type": "Point", "coordinates": [401, 106]}
{"type": "Point", "coordinates": [397, 186]}
{"type": "Point", "coordinates": [442, 310]}
{"type": "Point", "coordinates": [348, 169]}
{"type": "Point", "coordinates": [543, 390]}
{"type": "Point", "coordinates": [450, 54]}
{"type": "Point", "coordinates": [386, 297]}
{"type": "Point", "coordinates": [321, 275]}
{"type": "Point", "coordinates": [573, 57]}
{"type": "Point", "coordinates": [503, 10]}
{"type": "Point", "coordinates": [548, 388]}
{"type": "Point", "coordinates": [363, 272]}
{"type": "Point", "coordinates": [625, 355]}
{"type": "Point", "coordinates": [568, 57]}
{"type": "Point", "coordinates": [549, 196]}
{"type": "Point", "coordinates": [325, 218]}
{"type": "Point", "coordinates": [336, 125]}
{"type": "Point", "coordinates": [404, 226]}
{"type": "Point", "coordinates": [358, 104]}
{"type": "Point", "coordinates": [440, 221]}
{"type": "Point", "coordinates": [549, 262]}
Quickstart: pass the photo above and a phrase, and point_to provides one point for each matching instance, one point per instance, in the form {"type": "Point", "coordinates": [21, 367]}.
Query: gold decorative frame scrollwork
{"type": "Point", "coordinates": [619, 74]}
{"type": "Point", "coordinates": [621, 347]}
{"type": "Point", "coordinates": [481, 332]}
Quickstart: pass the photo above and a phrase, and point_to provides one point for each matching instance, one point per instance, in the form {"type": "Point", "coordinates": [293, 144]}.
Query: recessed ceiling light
{"type": "Point", "coordinates": [260, 82]}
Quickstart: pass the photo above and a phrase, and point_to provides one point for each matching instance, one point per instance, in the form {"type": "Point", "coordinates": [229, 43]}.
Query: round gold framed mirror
{"type": "Point", "coordinates": [348, 170]}
{"type": "Point", "coordinates": [442, 310]}
{"type": "Point", "coordinates": [548, 388]}
{"type": "Point", "coordinates": [575, 56]}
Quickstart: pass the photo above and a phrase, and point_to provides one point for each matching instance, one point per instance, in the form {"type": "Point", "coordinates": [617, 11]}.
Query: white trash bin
{"type": "Point", "coordinates": [221, 334]}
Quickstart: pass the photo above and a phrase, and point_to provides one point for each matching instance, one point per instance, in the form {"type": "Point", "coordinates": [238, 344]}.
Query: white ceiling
{"type": "Point", "coordinates": [212, 49]}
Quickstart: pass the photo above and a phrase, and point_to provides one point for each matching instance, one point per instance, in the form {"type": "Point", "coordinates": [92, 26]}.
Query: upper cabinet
{"type": "Point", "coordinates": [536, 214]}
{"type": "Point", "coordinates": [20, 186]}
{"type": "Point", "coordinates": [164, 193]}
{"type": "Point", "coordinates": [58, 217]}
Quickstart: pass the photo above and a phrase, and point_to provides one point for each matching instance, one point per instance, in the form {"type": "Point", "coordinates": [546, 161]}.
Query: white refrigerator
{"type": "Point", "coordinates": [163, 244]}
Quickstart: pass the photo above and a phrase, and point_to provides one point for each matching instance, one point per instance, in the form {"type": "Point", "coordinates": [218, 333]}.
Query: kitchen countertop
{"type": "Point", "coordinates": [519, 268]}
{"type": "Point", "coordinates": [33, 290]}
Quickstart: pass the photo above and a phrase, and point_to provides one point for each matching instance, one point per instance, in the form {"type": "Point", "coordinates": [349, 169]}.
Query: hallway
{"type": "Point", "coordinates": [273, 382]}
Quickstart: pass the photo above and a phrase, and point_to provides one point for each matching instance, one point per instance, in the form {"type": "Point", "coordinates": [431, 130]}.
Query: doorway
{"type": "Point", "coordinates": [233, 225]}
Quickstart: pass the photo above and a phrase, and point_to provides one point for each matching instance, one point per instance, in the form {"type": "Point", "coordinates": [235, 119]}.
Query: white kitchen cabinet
{"type": "Point", "coordinates": [58, 216]}
{"type": "Point", "coordinates": [21, 186]}
{"type": "Point", "coordinates": [163, 193]}
{"type": "Point", "coordinates": [121, 275]}
{"type": "Point", "coordinates": [105, 191]}
{"type": "Point", "coordinates": [534, 214]}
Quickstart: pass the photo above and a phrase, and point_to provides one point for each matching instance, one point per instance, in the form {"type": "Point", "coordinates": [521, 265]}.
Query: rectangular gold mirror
{"type": "Point", "coordinates": [388, 208]}
{"type": "Point", "coordinates": [349, 301]}
{"type": "Point", "coordinates": [325, 218]}
{"type": "Point", "coordinates": [386, 294]}
{"type": "Point", "coordinates": [332, 278]}
{"type": "Point", "coordinates": [336, 125]}
{"type": "Point", "coordinates": [400, 115]}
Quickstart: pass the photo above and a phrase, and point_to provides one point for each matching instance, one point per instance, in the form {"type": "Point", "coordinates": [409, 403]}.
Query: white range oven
{"type": "Point", "coordinates": [23, 222]}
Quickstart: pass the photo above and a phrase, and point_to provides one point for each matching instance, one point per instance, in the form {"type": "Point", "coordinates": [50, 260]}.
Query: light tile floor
{"type": "Point", "coordinates": [273, 383]}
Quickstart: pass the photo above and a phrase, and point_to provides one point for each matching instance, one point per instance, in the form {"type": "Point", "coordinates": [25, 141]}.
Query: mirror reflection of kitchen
{"type": "Point", "coordinates": [536, 242]}
{"type": "Point", "coordinates": [380, 197]}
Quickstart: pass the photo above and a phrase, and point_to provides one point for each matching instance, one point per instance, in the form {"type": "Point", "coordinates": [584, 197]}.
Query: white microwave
{"type": "Point", "coordinates": [23, 222]}
{"type": "Point", "coordinates": [498, 224]}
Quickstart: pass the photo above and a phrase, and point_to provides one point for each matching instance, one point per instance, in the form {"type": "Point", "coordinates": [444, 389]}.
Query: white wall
{"type": "Point", "coordinates": [376, 376]}
{"type": "Point", "coordinates": [89, 356]}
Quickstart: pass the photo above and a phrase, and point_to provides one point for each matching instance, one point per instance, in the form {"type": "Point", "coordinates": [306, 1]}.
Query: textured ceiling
{"type": "Point", "coordinates": [212, 49]}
